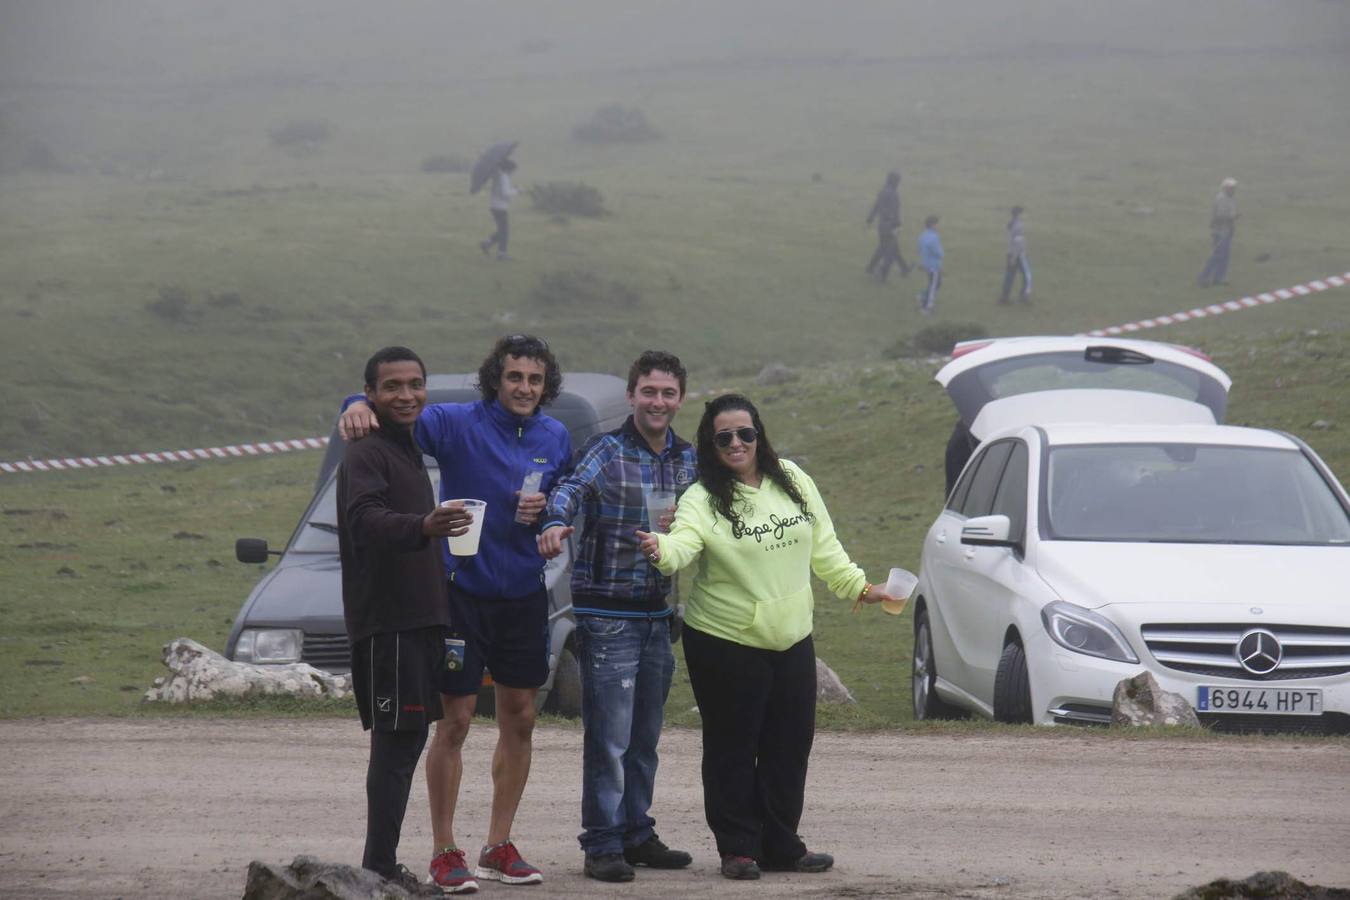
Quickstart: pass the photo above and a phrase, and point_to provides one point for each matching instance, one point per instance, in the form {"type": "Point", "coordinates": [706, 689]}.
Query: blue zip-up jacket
{"type": "Point", "coordinates": [930, 250]}
{"type": "Point", "coordinates": [484, 452]}
{"type": "Point", "coordinates": [609, 481]}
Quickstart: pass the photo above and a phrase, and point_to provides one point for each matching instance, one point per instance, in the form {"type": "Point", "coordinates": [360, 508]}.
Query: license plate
{"type": "Point", "coordinates": [1260, 701]}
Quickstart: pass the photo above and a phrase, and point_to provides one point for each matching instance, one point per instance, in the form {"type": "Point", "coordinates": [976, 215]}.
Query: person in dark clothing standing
{"type": "Point", "coordinates": [393, 596]}
{"type": "Point", "coordinates": [886, 213]}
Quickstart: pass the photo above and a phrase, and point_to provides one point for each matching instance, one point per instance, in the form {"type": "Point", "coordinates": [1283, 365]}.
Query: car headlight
{"type": "Point", "coordinates": [1083, 631]}
{"type": "Point", "coordinates": [269, 646]}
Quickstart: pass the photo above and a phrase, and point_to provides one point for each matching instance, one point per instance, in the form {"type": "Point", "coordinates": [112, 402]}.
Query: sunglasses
{"type": "Point", "coordinates": [746, 434]}
{"type": "Point", "coordinates": [526, 341]}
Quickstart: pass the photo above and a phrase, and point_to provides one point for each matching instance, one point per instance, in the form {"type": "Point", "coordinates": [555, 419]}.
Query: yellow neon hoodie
{"type": "Point", "coordinates": [754, 588]}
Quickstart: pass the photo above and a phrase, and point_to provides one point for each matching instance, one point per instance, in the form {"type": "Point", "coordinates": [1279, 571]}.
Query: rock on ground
{"type": "Point", "coordinates": [1263, 885]}
{"type": "Point", "coordinates": [198, 673]}
{"type": "Point", "coordinates": [307, 878]}
{"type": "Point", "coordinates": [1142, 701]}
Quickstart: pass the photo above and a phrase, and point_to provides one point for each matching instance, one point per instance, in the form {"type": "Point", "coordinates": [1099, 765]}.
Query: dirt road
{"type": "Point", "coordinates": [178, 808]}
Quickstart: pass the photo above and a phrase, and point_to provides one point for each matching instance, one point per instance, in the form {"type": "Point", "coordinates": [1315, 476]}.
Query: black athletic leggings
{"type": "Point", "coordinates": [393, 759]}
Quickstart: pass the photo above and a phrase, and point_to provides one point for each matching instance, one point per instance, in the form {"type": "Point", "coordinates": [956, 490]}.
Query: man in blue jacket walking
{"type": "Point", "coordinates": [623, 631]}
{"type": "Point", "coordinates": [498, 598]}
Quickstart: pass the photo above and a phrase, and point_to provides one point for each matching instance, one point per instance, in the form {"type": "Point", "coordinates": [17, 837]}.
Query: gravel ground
{"type": "Point", "coordinates": [99, 808]}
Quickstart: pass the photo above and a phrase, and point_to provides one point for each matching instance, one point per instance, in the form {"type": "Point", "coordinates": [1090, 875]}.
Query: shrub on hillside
{"type": "Point", "coordinates": [935, 340]}
{"type": "Point", "coordinates": [583, 287]}
{"type": "Point", "coordinates": [615, 124]}
{"type": "Point", "coordinates": [172, 305]}
{"type": "Point", "coordinates": [446, 162]}
{"type": "Point", "coordinates": [302, 135]}
{"type": "Point", "coordinates": [565, 198]}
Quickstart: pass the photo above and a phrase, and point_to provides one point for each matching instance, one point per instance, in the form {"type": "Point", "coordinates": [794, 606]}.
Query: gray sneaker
{"type": "Point", "coordinates": [609, 867]}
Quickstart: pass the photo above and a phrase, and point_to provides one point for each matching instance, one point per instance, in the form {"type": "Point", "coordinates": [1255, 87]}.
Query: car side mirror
{"type": "Point", "coordinates": [987, 531]}
{"type": "Point", "coordinates": [253, 550]}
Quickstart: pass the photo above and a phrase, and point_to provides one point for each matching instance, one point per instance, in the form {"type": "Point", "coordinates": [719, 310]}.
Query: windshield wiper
{"type": "Point", "coordinates": [324, 526]}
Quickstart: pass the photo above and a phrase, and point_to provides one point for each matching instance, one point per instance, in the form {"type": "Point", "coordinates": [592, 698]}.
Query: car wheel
{"type": "Point", "coordinates": [1012, 689]}
{"type": "Point", "coordinates": [927, 705]}
{"type": "Point", "coordinates": [565, 697]}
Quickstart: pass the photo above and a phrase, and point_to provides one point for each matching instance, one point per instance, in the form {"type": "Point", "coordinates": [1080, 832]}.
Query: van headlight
{"type": "Point", "coordinates": [269, 646]}
{"type": "Point", "coordinates": [1083, 631]}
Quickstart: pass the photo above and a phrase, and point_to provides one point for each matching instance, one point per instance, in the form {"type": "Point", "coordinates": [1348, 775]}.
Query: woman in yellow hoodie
{"type": "Point", "coordinates": [758, 528]}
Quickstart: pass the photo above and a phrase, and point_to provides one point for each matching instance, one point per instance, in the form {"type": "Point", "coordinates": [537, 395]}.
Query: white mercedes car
{"type": "Point", "coordinates": [1106, 524]}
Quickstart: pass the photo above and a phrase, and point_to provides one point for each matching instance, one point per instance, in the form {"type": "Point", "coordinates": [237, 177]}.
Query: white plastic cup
{"type": "Point", "coordinates": [900, 584]}
{"type": "Point", "coordinates": [659, 504]}
{"type": "Point", "coordinates": [467, 544]}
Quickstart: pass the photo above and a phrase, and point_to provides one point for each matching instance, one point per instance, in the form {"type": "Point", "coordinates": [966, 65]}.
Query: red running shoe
{"type": "Point", "coordinates": [450, 873]}
{"type": "Point", "coordinates": [502, 862]}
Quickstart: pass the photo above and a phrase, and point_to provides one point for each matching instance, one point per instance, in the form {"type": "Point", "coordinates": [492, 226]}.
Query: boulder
{"type": "Point", "coordinates": [198, 673]}
{"type": "Point", "coordinates": [1142, 701]}
{"type": "Point", "coordinates": [1265, 885]}
{"type": "Point", "coordinates": [829, 688]}
{"type": "Point", "coordinates": [307, 878]}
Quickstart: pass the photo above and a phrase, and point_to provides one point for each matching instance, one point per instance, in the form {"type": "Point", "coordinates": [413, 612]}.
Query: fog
{"type": "Point", "coordinates": [236, 182]}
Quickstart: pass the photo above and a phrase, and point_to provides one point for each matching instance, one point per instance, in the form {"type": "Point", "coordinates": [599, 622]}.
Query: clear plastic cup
{"type": "Point", "coordinates": [467, 544]}
{"type": "Point", "coordinates": [900, 584]}
{"type": "Point", "coordinates": [529, 486]}
{"type": "Point", "coordinates": [659, 505]}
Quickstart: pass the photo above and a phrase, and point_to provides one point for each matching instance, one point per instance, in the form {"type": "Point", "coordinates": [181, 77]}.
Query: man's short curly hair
{"type": "Point", "coordinates": [525, 346]}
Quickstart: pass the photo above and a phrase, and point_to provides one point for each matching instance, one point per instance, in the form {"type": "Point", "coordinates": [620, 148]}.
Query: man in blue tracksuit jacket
{"type": "Point", "coordinates": [623, 622]}
{"type": "Point", "coordinates": [498, 599]}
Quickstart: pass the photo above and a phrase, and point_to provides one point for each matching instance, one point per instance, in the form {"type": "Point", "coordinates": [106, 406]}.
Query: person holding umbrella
{"type": "Point", "coordinates": [496, 165]}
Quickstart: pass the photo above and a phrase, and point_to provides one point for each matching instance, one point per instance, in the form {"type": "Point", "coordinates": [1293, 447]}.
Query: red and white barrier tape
{"type": "Point", "coordinates": [266, 447]}
{"type": "Point", "coordinates": [1218, 309]}
{"type": "Point", "coordinates": [261, 448]}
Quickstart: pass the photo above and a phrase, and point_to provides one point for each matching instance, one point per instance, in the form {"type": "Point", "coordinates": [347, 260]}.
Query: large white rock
{"type": "Point", "coordinates": [198, 673]}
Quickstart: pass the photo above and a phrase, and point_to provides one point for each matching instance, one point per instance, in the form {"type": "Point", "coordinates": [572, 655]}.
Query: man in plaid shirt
{"type": "Point", "coordinates": [623, 623]}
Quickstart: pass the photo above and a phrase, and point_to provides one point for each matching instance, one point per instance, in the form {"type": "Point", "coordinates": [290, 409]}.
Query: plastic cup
{"type": "Point", "coordinates": [467, 544]}
{"type": "Point", "coordinates": [900, 584]}
{"type": "Point", "coordinates": [659, 504]}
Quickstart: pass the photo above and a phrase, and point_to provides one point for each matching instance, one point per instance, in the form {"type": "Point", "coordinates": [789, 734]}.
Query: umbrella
{"type": "Point", "coordinates": [487, 164]}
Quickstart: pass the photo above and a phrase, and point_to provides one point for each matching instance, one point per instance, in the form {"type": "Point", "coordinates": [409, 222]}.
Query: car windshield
{"type": "Point", "coordinates": [1189, 493]}
{"type": "Point", "coordinates": [1071, 370]}
{"type": "Point", "coordinates": [318, 532]}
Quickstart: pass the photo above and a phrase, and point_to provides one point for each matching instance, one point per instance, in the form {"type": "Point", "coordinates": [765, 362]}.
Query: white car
{"type": "Point", "coordinates": [1094, 535]}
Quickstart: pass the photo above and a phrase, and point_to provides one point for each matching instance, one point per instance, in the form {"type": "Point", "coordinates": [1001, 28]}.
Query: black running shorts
{"type": "Point", "coordinates": [396, 678]}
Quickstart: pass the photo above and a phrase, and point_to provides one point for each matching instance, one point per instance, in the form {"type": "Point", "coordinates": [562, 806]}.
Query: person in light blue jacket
{"type": "Point", "coordinates": [930, 257]}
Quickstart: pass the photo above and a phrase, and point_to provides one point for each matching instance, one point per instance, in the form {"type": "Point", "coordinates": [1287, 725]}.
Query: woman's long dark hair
{"type": "Point", "coordinates": [719, 481]}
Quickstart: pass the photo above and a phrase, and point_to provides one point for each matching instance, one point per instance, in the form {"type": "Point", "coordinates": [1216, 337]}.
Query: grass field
{"type": "Point", "coordinates": [170, 277]}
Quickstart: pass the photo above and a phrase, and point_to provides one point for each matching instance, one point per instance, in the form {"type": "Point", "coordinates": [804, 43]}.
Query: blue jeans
{"type": "Point", "coordinates": [626, 668]}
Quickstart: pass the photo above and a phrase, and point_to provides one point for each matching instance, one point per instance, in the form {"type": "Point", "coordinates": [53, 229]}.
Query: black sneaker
{"type": "Point", "coordinates": [740, 868]}
{"type": "Point", "coordinates": [413, 886]}
{"type": "Point", "coordinates": [808, 863]}
{"type": "Point", "coordinates": [655, 854]}
{"type": "Point", "coordinates": [608, 867]}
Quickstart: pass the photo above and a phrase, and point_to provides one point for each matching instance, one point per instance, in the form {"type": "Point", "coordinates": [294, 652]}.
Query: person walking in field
{"type": "Point", "coordinates": [393, 596]}
{"type": "Point", "coordinates": [499, 203]}
{"type": "Point", "coordinates": [930, 257]}
{"type": "Point", "coordinates": [1016, 260]}
{"type": "Point", "coordinates": [1222, 224]}
{"type": "Point", "coordinates": [886, 213]}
